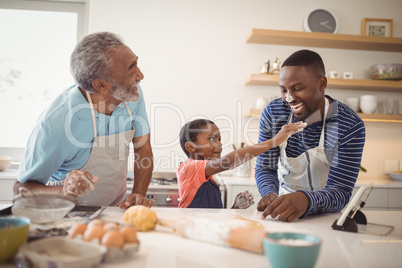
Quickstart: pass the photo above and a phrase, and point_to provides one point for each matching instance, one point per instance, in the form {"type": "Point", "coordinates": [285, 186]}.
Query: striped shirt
{"type": "Point", "coordinates": [344, 141]}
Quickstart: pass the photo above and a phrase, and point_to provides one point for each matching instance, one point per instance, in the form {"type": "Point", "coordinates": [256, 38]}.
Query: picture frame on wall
{"type": "Point", "coordinates": [377, 27]}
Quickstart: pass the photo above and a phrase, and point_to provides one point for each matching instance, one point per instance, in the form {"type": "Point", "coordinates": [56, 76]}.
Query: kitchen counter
{"type": "Point", "coordinates": [229, 179]}
{"type": "Point", "coordinates": [162, 248]}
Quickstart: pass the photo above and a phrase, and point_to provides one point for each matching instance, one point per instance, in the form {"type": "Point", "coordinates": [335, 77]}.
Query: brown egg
{"type": "Point", "coordinates": [93, 232]}
{"type": "Point", "coordinates": [77, 229]}
{"type": "Point", "coordinates": [96, 222]}
{"type": "Point", "coordinates": [112, 239]}
{"type": "Point", "coordinates": [129, 233]}
{"type": "Point", "coordinates": [111, 226]}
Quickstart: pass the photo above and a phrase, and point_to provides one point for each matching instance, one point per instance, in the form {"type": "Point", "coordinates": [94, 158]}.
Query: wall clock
{"type": "Point", "coordinates": [321, 20]}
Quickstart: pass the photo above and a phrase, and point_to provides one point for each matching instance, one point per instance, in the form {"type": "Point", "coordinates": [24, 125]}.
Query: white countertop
{"type": "Point", "coordinates": [162, 248]}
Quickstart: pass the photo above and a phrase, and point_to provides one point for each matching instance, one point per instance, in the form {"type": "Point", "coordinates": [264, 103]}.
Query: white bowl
{"type": "Point", "coordinates": [5, 162]}
{"type": "Point", "coordinates": [397, 175]}
{"type": "Point", "coordinates": [368, 104]}
{"type": "Point", "coordinates": [42, 207]}
{"type": "Point", "coordinates": [353, 103]}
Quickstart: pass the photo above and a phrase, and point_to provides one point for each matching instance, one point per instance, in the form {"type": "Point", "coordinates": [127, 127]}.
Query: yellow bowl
{"type": "Point", "coordinates": [13, 233]}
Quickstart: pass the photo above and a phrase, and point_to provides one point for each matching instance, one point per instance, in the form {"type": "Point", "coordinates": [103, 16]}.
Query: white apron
{"type": "Point", "coordinates": [309, 171]}
{"type": "Point", "coordinates": [109, 162]}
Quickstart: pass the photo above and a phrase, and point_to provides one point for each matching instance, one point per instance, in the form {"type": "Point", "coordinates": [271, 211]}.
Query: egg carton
{"type": "Point", "coordinates": [113, 254]}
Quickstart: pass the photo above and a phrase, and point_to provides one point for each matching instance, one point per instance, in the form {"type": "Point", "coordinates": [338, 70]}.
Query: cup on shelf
{"type": "Point", "coordinates": [368, 104]}
{"type": "Point", "coordinates": [391, 106]}
{"type": "Point", "coordinates": [333, 74]}
{"type": "Point", "coordinates": [353, 103]}
{"type": "Point", "coordinates": [347, 75]}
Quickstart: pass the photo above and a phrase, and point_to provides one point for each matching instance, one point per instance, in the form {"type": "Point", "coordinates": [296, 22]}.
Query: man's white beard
{"type": "Point", "coordinates": [121, 93]}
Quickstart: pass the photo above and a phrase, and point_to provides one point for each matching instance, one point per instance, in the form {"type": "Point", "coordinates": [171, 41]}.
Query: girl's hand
{"type": "Point", "coordinates": [287, 131]}
{"type": "Point", "coordinates": [243, 200]}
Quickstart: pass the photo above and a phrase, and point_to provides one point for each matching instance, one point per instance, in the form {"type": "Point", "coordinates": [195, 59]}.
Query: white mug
{"type": "Point", "coordinates": [347, 75]}
{"type": "Point", "coordinates": [333, 74]}
{"type": "Point", "coordinates": [368, 104]}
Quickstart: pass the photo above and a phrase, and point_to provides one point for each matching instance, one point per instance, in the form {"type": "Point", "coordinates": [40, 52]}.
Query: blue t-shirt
{"type": "Point", "coordinates": [62, 137]}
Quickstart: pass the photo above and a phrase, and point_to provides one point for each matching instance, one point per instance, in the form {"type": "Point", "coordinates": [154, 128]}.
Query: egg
{"type": "Point", "coordinates": [96, 222]}
{"type": "Point", "coordinates": [111, 226]}
{"type": "Point", "coordinates": [77, 229]}
{"type": "Point", "coordinates": [129, 233]}
{"type": "Point", "coordinates": [93, 232]}
{"type": "Point", "coordinates": [113, 239]}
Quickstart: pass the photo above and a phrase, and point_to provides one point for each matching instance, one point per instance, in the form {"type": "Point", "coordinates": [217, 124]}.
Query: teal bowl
{"type": "Point", "coordinates": [292, 250]}
{"type": "Point", "coordinates": [13, 233]}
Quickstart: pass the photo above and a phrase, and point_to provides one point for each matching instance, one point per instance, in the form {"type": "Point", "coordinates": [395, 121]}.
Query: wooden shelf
{"type": "Point", "coordinates": [355, 84]}
{"type": "Point", "coordinates": [390, 118]}
{"type": "Point", "coordinates": [327, 40]}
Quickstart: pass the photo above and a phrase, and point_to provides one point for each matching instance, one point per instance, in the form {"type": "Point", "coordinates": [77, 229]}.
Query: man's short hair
{"type": "Point", "coordinates": [190, 131]}
{"type": "Point", "coordinates": [306, 58]}
{"type": "Point", "coordinates": [90, 59]}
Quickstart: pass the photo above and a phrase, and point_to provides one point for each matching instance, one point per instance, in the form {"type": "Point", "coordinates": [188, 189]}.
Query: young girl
{"type": "Point", "coordinates": [201, 141]}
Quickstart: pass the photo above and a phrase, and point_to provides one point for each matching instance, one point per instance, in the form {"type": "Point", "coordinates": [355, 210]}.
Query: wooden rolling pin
{"type": "Point", "coordinates": [227, 230]}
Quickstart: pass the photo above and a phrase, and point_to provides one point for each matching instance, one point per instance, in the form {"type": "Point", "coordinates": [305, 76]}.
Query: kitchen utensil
{"type": "Point", "coordinates": [226, 230]}
{"type": "Point", "coordinates": [386, 71]}
{"type": "Point", "coordinates": [5, 162]}
{"type": "Point", "coordinates": [397, 175]}
{"type": "Point", "coordinates": [368, 104]}
{"type": "Point", "coordinates": [63, 252]}
{"type": "Point", "coordinates": [292, 249]}
{"type": "Point", "coordinates": [13, 233]}
{"type": "Point", "coordinates": [42, 207]}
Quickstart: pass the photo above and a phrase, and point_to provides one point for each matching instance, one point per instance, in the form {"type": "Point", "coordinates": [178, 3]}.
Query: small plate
{"type": "Point", "coordinates": [396, 176]}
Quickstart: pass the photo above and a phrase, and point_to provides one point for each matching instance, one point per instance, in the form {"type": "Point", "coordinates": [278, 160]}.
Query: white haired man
{"type": "Point", "coordinates": [80, 144]}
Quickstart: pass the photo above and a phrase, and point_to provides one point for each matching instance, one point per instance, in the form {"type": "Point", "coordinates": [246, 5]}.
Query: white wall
{"type": "Point", "coordinates": [195, 61]}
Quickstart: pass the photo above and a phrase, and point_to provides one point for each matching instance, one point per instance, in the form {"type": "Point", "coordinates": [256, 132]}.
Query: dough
{"type": "Point", "coordinates": [142, 217]}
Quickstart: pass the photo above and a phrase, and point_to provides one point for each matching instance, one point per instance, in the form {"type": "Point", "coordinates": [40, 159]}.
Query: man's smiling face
{"type": "Point", "coordinates": [303, 90]}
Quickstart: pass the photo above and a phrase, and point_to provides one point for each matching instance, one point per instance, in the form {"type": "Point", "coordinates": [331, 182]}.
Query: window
{"type": "Point", "coordinates": [34, 61]}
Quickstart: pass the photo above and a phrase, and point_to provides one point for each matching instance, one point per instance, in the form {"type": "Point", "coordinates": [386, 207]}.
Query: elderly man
{"type": "Point", "coordinates": [315, 170]}
{"type": "Point", "coordinates": [80, 144]}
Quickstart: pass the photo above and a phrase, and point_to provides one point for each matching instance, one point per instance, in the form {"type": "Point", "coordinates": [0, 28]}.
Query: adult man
{"type": "Point", "coordinates": [316, 169]}
{"type": "Point", "coordinates": [80, 144]}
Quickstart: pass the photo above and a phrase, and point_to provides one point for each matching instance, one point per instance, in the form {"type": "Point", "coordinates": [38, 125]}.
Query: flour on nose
{"type": "Point", "coordinates": [288, 97]}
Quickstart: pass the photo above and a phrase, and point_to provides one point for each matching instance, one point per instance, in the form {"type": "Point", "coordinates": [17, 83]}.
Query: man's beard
{"type": "Point", "coordinates": [125, 94]}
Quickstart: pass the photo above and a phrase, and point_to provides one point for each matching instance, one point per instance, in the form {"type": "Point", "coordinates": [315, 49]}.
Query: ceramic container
{"type": "Point", "coordinates": [292, 249]}
{"type": "Point", "coordinates": [5, 162]}
{"type": "Point", "coordinates": [13, 233]}
{"type": "Point", "coordinates": [354, 103]}
{"type": "Point", "coordinates": [368, 104]}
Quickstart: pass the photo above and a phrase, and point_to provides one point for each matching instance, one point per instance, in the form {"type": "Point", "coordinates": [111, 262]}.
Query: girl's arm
{"type": "Point", "coordinates": [240, 156]}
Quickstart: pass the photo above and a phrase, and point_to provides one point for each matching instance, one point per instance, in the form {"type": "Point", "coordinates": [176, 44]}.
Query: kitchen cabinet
{"type": "Point", "coordinates": [328, 40]}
